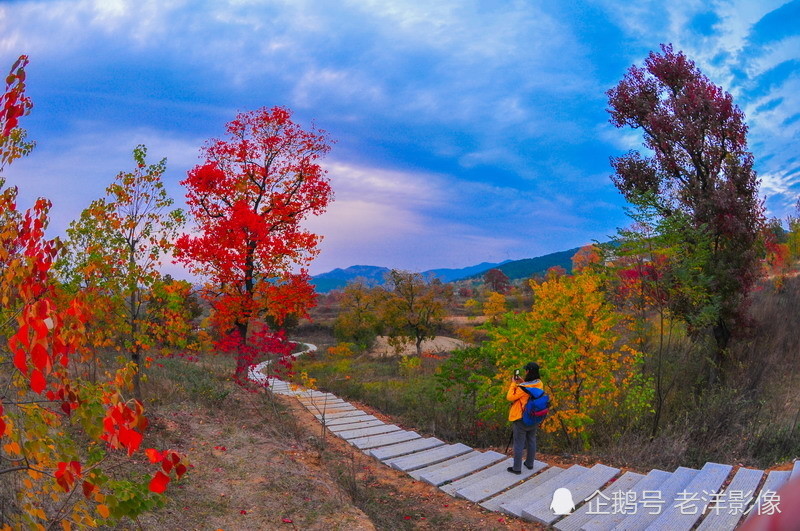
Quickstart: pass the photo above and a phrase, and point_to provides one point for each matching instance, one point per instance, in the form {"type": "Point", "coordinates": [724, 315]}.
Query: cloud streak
{"type": "Point", "coordinates": [467, 131]}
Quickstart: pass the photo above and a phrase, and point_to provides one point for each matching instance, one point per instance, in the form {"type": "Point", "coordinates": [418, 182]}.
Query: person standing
{"type": "Point", "coordinates": [524, 436]}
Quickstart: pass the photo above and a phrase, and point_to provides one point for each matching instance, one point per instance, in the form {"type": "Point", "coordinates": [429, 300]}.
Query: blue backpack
{"type": "Point", "coordinates": [537, 406]}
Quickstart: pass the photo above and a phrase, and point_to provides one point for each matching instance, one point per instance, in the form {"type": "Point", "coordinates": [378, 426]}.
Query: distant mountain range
{"type": "Point", "coordinates": [514, 269]}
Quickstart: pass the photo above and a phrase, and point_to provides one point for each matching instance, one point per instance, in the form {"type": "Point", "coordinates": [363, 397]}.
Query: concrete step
{"type": "Point", "coordinates": [775, 480]}
{"type": "Point", "coordinates": [580, 488]}
{"type": "Point", "coordinates": [342, 414]}
{"type": "Point", "coordinates": [374, 441]}
{"type": "Point", "coordinates": [396, 450]}
{"type": "Point", "coordinates": [477, 477]}
{"type": "Point", "coordinates": [727, 510]}
{"type": "Point", "coordinates": [367, 432]}
{"type": "Point", "coordinates": [410, 462]}
{"type": "Point", "coordinates": [610, 516]}
{"type": "Point", "coordinates": [576, 520]}
{"type": "Point", "coordinates": [690, 502]}
{"type": "Point", "coordinates": [417, 474]}
{"type": "Point", "coordinates": [495, 502]}
{"type": "Point", "coordinates": [349, 420]}
{"type": "Point", "coordinates": [540, 490]}
{"type": "Point", "coordinates": [663, 497]}
{"type": "Point", "coordinates": [459, 470]}
{"type": "Point", "coordinates": [492, 485]}
{"type": "Point", "coordinates": [355, 425]}
{"type": "Point", "coordinates": [320, 406]}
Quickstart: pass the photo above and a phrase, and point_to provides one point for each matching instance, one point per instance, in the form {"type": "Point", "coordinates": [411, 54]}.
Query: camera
{"type": "Point", "coordinates": [516, 373]}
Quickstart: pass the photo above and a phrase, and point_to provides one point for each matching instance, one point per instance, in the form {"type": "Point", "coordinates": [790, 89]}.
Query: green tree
{"type": "Point", "coordinates": [413, 309]}
{"type": "Point", "coordinates": [116, 247]}
{"type": "Point", "coordinates": [357, 321]}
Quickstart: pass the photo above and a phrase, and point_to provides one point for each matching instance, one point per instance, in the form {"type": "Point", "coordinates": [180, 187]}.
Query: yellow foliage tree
{"type": "Point", "coordinates": [495, 306]}
{"type": "Point", "coordinates": [573, 333]}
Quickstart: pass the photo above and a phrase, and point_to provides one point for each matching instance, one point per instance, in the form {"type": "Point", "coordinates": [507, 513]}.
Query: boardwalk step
{"type": "Point", "coordinates": [349, 420]}
{"type": "Point", "coordinates": [690, 502]}
{"type": "Point", "coordinates": [725, 514]}
{"type": "Point", "coordinates": [396, 450]}
{"type": "Point", "coordinates": [417, 474]}
{"type": "Point", "coordinates": [664, 496]}
{"type": "Point", "coordinates": [366, 432]}
{"type": "Point", "coordinates": [496, 502]}
{"type": "Point", "coordinates": [580, 488]}
{"type": "Point", "coordinates": [342, 414]}
{"type": "Point", "coordinates": [410, 462]}
{"type": "Point", "coordinates": [464, 468]}
{"type": "Point", "coordinates": [542, 490]}
{"type": "Point", "coordinates": [494, 484]}
{"type": "Point", "coordinates": [609, 518]}
{"type": "Point", "coordinates": [355, 425]}
{"type": "Point", "coordinates": [602, 501]}
{"type": "Point", "coordinates": [775, 480]}
{"type": "Point", "coordinates": [374, 441]}
{"type": "Point", "coordinates": [477, 477]}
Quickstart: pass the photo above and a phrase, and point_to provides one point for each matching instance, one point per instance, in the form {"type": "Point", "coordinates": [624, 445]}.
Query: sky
{"type": "Point", "coordinates": [466, 131]}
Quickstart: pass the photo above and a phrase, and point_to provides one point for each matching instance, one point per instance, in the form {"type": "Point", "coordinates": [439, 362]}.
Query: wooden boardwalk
{"type": "Point", "coordinates": [596, 498]}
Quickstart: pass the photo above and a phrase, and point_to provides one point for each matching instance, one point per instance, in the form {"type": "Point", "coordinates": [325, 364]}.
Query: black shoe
{"type": "Point", "coordinates": [528, 467]}
{"type": "Point", "coordinates": [511, 469]}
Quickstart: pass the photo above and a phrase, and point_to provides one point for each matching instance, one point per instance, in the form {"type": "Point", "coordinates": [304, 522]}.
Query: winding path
{"type": "Point", "coordinates": [597, 498]}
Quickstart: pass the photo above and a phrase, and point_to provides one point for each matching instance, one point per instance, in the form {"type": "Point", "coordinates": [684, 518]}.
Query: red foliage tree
{"type": "Point", "coordinates": [497, 281]}
{"type": "Point", "coordinates": [56, 427]}
{"type": "Point", "coordinates": [701, 174]}
{"type": "Point", "coordinates": [248, 199]}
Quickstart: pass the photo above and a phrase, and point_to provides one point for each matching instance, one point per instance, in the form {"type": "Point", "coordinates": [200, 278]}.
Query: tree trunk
{"type": "Point", "coordinates": [242, 361]}
{"type": "Point", "coordinates": [136, 355]}
{"type": "Point", "coordinates": [722, 336]}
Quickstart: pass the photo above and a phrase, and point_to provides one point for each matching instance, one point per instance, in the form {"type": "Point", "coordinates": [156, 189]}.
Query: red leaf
{"type": "Point", "coordinates": [130, 439]}
{"type": "Point", "coordinates": [88, 488]}
{"type": "Point", "coordinates": [159, 482]}
{"type": "Point", "coordinates": [38, 382]}
{"type": "Point", "coordinates": [39, 357]}
{"type": "Point", "coordinates": [154, 455]}
{"type": "Point", "coordinates": [287, 520]}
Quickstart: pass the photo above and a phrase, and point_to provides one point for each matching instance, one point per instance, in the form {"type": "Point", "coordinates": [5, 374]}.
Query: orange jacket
{"type": "Point", "coordinates": [519, 398]}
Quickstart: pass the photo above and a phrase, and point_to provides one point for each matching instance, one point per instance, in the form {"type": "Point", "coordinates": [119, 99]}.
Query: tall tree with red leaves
{"type": "Point", "coordinates": [248, 199]}
{"type": "Point", "coordinates": [700, 175]}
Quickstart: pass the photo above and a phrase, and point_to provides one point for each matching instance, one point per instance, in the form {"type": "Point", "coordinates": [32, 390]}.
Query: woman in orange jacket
{"type": "Point", "coordinates": [524, 436]}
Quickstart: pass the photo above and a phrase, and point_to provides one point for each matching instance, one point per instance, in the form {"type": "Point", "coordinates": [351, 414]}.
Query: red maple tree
{"type": "Point", "coordinates": [248, 199]}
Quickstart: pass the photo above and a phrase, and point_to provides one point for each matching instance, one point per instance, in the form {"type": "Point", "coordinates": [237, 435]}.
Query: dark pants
{"type": "Point", "coordinates": [524, 437]}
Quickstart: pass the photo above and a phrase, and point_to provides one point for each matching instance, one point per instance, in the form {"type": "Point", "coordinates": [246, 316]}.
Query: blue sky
{"type": "Point", "coordinates": [467, 131]}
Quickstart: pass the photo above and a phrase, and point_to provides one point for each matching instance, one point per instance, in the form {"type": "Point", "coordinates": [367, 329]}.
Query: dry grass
{"type": "Point", "coordinates": [262, 463]}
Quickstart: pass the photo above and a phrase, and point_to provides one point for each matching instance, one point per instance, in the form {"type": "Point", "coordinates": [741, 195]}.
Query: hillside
{"type": "Point", "coordinates": [528, 267]}
{"type": "Point", "coordinates": [514, 269]}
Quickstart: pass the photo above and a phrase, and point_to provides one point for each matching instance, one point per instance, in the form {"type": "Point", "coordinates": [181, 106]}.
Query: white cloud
{"type": "Point", "coordinates": [61, 171]}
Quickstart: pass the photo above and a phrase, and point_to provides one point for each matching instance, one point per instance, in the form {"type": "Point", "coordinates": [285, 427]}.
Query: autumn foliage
{"type": "Point", "coordinates": [248, 199]}
{"type": "Point", "coordinates": [59, 432]}
{"type": "Point", "coordinates": [698, 176]}
{"type": "Point", "coordinates": [575, 334]}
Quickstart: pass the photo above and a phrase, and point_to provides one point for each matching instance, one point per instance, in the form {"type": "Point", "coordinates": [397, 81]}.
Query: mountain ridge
{"type": "Point", "coordinates": [515, 269]}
